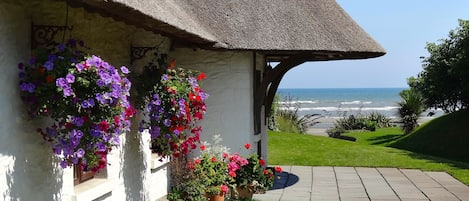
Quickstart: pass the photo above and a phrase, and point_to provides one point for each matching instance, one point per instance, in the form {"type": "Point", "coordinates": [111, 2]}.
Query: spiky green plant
{"type": "Point", "coordinates": [410, 108]}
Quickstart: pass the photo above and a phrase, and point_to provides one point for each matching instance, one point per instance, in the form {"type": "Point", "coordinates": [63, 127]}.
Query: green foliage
{"type": "Point", "coordinates": [443, 82]}
{"type": "Point", "coordinates": [254, 175]}
{"type": "Point", "coordinates": [381, 120]}
{"type": "Point", "coordinates": [410, 108]}
{"type": "Point", "coordinates": [212, 172]}
{"type": "Point", "coordinates": [288, 119]}
{"type": "Point", "coordinates": [286, 125]}
{"type": "Point", "coordinates": [272, 121]}
{"type": "Point", "coordinates": [446, 136]}
{"type": "Point", "coordinates": [366, 122]}
{"type": "Point", "coordinates": [190, 189]}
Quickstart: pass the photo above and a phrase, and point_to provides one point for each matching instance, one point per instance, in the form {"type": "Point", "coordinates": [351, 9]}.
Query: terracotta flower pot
{"type": "Point", "coordinates": [244, 192]}
{"type": "Point", "coordinates": [218, 197]}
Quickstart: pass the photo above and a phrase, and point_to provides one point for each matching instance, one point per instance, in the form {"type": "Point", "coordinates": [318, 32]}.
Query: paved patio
{"type": "Point", "coordinates": [299, 183]}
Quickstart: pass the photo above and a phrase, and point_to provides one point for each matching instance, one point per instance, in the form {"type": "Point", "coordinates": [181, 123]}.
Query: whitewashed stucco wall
{"type": "Point", "coordinates": [229, 83]}
{"type": "Point", "coordinates": [28, 169]}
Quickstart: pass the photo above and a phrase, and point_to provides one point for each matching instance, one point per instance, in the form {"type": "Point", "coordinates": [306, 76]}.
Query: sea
{"type": "Point", "coordinates": [338, 102]}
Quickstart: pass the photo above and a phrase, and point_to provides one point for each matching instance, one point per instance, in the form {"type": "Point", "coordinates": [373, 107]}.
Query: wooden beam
{"type": "Point", "coordinates": [265, 93]}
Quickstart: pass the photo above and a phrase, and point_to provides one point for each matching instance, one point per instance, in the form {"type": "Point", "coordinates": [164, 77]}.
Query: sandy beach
{"type": "Point", "coordinates": [328, 122]}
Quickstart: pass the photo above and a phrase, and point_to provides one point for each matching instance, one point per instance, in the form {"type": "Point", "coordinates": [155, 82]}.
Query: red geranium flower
{"type": "Point", "coordinates": [247, 146]}
{"type": "Point", "coordinates": [278, 169]}
{"type": "Point", "coordinates": [201, 76]}
{"type": "Point", "coordinates": [103, 126]}
{"type": "Point", "coordinates": [214, 159]}
{"type": "Point", "coordinates": [202, 147]}
{"type": "Point", "coordinates": [262, 162]}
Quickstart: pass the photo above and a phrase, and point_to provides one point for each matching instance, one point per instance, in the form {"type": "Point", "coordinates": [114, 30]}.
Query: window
{"type": "Point", "coordinates": [80, 175]}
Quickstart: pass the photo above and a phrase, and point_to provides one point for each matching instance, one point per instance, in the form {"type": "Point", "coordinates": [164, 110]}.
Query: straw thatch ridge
{"type": "Point", "coordinates": [277, 27]}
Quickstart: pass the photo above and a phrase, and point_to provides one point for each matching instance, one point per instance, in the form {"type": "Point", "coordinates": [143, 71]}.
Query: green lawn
{"type": "Point", "coordinates": [300, 149]}
{"type": "Point", "coordinates": [446, 136]}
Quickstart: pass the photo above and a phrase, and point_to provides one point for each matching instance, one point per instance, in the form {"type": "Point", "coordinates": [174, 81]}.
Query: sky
{"type": "Point", "coordinates": [402, 27]}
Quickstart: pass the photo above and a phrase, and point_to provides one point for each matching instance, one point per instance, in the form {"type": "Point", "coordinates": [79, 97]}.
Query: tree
{"type": "Point", "coordinates": [410, 109]}
{"type": "Point", "coordinates": [444, 81]}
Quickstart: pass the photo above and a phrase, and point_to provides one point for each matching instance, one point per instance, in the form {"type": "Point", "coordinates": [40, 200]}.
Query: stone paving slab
{"type": "Point", "coordinates": [301, 183]}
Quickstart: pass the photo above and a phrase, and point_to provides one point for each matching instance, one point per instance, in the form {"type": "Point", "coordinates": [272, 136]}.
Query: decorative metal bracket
{"type": "Point", "coordinates": [43, 34]}
{"type": "Point", "coordinates": [137, 53]}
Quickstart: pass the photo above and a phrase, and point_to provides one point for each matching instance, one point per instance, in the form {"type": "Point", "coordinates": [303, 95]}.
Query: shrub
{"type": "Point", "coordinates": [410, 109]}
{"type": "Point", "coordinates": [381, 120]}
{"type": "Point", "coordinates": [287, 118]}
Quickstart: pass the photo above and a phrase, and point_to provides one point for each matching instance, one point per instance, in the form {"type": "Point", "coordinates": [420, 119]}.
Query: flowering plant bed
{"type": "Point", "coordinates": [84, 95]}
{"type": "Point", "coordinates": [254, 176]}
{"type": "Point", "coordinates": [172, 105]}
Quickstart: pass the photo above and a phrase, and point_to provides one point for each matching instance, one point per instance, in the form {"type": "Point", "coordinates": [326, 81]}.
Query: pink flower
{"type": "Point", "coordinates": [225, 155]}
{"type": "Point", "coordinates": [197, 161]}
{"type": "Point", "coordinates": [233, 166]}
{"type": "Point", "coordinates": [224, 188]}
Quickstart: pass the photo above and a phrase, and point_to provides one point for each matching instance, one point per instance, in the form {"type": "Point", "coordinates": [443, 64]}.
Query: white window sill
{"type": "Point", "coordinates": [157, 163]}
{"type": "Point", "coordinates": [93, 189]}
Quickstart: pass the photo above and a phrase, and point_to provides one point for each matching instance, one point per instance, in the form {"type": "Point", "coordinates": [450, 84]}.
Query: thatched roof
{"type": "Point", "coordinates": [275, 27]}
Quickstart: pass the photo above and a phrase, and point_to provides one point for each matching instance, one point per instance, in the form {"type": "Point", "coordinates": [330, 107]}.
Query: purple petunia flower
{"type": "Point", "coordinates": [51, 132]}
{"type": "Point", "coordinates": [20, 66]}
{"type": "Point", "coordinates": [125, 70]}
{"type": "Point", "coordinates": [94, 61]}
{"type": "Point", "coordinates": [76, 134]}
{"type": "Point", "coordinates": [95, 132]}
{"type": "Point", "coordinates": [79, 66]}
{"type": "Point", "coordinates": [49, 65]}
{"type": "Point", "coordinates": [21, 75]}
{"type": "Point", "coordinates": [52, 57]}
{"type": "Point", "coordinates": [78, 121]}
{"type": "Point", "coordinates": [61, 82]}
{"type": "Point", "coordinates": [154, 132]}
{"type": "Point", "coordinates": [32, 60]}
{"type": "Point", "coordinates": [100, 82]}
{"type": "Point", "coordinates": [63, 164]}
{"type": "Point", "coordinates": [100, 146]}
{"type": "Point", "coordinates": [67, 91]}
{"type": "Point", "coordinates": [167, 122]}
{"type": "Point", "coordinates": [29, 87]}
{"type": "Point", "coordinates": [88, 103]}
{"type": "Point", "coordinates": [80, 153]}
{"type": "Point", "coordinates": [72, 42]}
{"type": "Point", "coordinates": [70, 78]}
{"type": "Point", "coordinates": [100, 98]}
{"type": "Point", "coordinates": [164, 77]}
{"type": "Point", "coordinates": [61, 47]}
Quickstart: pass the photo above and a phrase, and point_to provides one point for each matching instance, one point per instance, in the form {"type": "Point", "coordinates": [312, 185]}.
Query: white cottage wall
{"type": "Point", "coordinates": [28, 168]}
{"type": "Point", "coordinates": [26, 165]}
{"type": "Point", "coordinates": [229, 84]}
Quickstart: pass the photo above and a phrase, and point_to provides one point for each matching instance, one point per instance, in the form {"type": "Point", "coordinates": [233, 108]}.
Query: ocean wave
{"type": "Point", "coordinates": [355, 102]}
{"type": "Point", "coordinates": [329, 109]}
{"type": "Point", "coordinates": [296, 102]}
